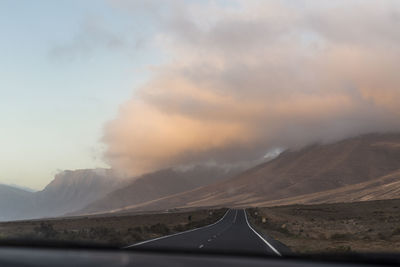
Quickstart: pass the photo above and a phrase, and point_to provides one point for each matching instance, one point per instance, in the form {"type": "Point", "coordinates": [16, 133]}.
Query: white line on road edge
{"type": "Point", "coordinates": [188, 231]}
{"type": "Point", "coordinates": [265, 241]}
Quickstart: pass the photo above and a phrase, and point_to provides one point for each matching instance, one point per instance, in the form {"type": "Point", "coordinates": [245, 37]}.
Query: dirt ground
{"type": "Point", "coordinates": [371, 226]}
{"type": "Point", "coordinates": [119, 230]}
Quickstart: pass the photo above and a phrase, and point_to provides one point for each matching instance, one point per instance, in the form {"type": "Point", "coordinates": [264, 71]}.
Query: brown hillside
{"type": "Point", "coordinates": [309, 170]}
{"type": "Point", "coordinates": [156, 185]}
{"type": "Point", "coordinates": [386, 187]}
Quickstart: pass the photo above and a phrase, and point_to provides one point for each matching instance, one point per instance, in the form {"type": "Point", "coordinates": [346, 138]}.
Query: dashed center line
{"type": "Point", "coordinates": [234, 219]}
{"type": "Point", "coordinates": [221, 230]}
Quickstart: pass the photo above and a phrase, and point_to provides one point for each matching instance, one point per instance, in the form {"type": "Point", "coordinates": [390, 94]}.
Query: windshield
{"type": "Point", "coordinates": [254, 127]}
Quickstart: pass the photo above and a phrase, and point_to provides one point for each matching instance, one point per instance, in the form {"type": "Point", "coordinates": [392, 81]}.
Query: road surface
{"type": "Point", "coordinates": [231, 233]}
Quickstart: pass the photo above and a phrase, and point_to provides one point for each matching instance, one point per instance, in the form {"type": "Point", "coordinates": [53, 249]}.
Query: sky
{"type": "Point", "coordinates": [65, 67]}
{"type": "Point", "coordinates": [144, 85]}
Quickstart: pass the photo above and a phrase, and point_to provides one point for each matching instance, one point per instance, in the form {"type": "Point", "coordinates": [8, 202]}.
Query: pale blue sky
{"type": "Point", "coordinates": [65, 67]}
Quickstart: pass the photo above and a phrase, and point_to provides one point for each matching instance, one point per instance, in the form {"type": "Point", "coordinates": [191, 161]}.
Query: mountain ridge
{"type": "Point", "coordinates": [68, 191]}
{"type": "Point", "coordinates": [365, 167]}
{"type": "Point", "coordinates": [315, 168]}
{"type": "Point", "coordinates": [158, 184]}
{"type": "Point", "coordinates": [12, 201]}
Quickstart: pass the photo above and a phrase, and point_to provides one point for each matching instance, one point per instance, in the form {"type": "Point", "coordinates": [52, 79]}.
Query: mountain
{"type": "Point", "coordinates": [157, 185]}
{"type": "Point", "coordinates": [386, 187]}
{"type": "Point", "coordinates": [24, 188]}
{"type": "Point", "coordinates": [69, 191]}
{"type": "Point", "coordinates": [316, 168]}
{"type": "Point", "coordinates": [73, 190]}
{"type": "Point", "coordinates": [361, 168]}
{"type": "Point", "coordinates": [98, 190]}
{"type": "Point", "coordinates": [12, 201]}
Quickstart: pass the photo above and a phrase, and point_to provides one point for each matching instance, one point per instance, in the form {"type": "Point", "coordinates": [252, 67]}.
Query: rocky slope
{"type": "Point", "coordinates": [157, 185]}
{"type": "Point", "coordinates": [313, 169]}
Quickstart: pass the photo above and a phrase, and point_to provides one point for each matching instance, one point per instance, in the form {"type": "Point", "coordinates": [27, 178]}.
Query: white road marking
{"type": "Point", "coordinates": [234, 219]}
{"type": "Point", "coordinates": [209, 240]}
{"type": "Point", "coordinates": [265, 241]}
{"type": "Point", "coordinates": [201, 246]}
{"type": "Point", "coordinates": [167, 236]}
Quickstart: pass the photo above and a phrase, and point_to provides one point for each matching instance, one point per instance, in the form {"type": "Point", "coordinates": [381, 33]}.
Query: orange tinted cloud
{"type": "Point", "coordinates": [245, 80]}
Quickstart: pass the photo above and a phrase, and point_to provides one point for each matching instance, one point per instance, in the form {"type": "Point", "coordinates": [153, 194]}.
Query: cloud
{"type": "Point", "coordinates": [257, 75]}
{"type": "Point", "coordinates": [93, 35]}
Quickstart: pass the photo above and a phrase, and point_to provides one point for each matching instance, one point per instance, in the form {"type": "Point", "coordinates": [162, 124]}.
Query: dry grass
{"type": "Point", "coordinates": [372, 226]}
{"type": "Point", "coordinates": [119, 230]}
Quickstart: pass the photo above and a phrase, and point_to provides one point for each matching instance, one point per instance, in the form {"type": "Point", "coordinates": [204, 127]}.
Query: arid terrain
{"type": "Point", "coordinates": [361, 168]}
{"type": "Point", "coordinates": [370, 226]}
{"type": "Point", "coordinates": [117, 231]}
{"type": "Point", "coordinates": [340, 196]}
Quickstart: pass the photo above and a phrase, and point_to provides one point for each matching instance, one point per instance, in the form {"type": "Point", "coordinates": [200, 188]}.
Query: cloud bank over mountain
{"type": "Point", "coordinates": [250, 76]}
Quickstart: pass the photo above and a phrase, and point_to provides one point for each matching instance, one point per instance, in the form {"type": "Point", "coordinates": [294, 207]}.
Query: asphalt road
{"type": "Point", "coordinates": [230, 234]}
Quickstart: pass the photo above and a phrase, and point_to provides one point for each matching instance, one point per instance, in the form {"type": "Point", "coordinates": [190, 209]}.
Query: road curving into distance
{"type": "Point", "coordinates": [232, 233]}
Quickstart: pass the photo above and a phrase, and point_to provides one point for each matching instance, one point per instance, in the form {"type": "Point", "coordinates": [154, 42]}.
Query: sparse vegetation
{"type": "Point", "coordinates": [340, 236]}
{"type": "Point", "coordinates": [371, 226]}
{"type": "Point", "coordinates": [396, 231]}
{"type": "Point", "coordinates": [112, 230]}
{"type": "Point", "coordinates": [45, 230]}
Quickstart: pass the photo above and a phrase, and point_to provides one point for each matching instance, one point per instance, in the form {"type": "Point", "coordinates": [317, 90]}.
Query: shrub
{"type": "Point", "coordinates": [160, 228]}
{"type": "Point", "coordinates": [137, 229]}
{"type": "Point", "coordinates": [342, 249]}
{"type": "Point", "coordinates": [45, 230]}
{"type": "Point", "coordinates": [382, 236]}
{"type": "Point", "coordinates": [179, 228]}
{"type": "Point", "coordinates": [340, 236]}
{"type": "Point", "coordinates": [396, 231]}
